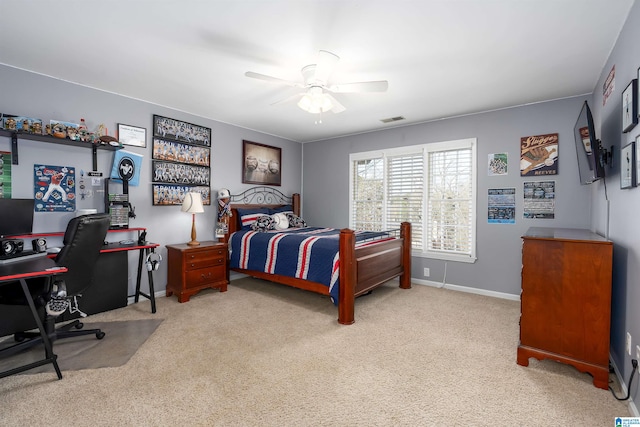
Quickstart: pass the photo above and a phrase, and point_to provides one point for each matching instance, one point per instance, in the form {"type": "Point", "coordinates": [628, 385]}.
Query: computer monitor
{"type": "Point", "coordinates": [16, 216]}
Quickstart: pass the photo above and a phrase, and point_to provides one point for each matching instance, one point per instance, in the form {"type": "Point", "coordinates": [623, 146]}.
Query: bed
{"type": "Point", "coordinates": [361, 263]}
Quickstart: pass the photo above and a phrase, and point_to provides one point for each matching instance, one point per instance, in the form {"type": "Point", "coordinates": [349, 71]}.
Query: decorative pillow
{"type": "Point", "coordinates": [280, 220]}
{"type": "Point", "coordinates": [249, 216]}
{"type": "Point", "coordinates": [295, 221]}
{"type": "Point", "coordinates": [286, 208]}
{"type": "Point", "coordinates": [263, 223]}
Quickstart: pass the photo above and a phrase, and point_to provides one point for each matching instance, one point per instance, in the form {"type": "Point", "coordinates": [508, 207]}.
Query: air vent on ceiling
{"type": "Point", "coordinates": [392, 119]}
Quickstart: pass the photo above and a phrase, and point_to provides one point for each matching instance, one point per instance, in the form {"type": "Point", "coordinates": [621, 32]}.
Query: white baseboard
{"type": "Point", "coordinates": [466, 289]}
{"type": "Point", "coordinates": [633, 409]}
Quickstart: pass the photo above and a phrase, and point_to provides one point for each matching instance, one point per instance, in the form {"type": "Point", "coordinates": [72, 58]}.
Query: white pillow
{"type": "Point", "coordinates": [281, 220]}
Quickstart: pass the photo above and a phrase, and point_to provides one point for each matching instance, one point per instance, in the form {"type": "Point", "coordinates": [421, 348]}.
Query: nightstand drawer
{"type": "Point", "coordinates": [203, 262]}
{"type": "Point", "coordinates": [196, 256]}
{"type": "Point", "coordinates": [202, 276]}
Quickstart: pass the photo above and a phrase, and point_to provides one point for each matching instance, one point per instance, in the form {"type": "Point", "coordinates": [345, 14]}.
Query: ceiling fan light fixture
{"type": "Point", "coordinates": [315, 101]}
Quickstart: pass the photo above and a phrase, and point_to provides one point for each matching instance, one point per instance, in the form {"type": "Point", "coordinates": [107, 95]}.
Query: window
{"type": "Point", "coordinates": [433, 186]}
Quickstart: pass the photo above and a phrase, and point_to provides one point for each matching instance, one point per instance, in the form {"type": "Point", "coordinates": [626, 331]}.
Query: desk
{"type": "Point", "coordinates": [109, 290]}
{"type": "Point", "coordinates": [26, 269]}
{"type": "Point", "coordinates": [144, 250]}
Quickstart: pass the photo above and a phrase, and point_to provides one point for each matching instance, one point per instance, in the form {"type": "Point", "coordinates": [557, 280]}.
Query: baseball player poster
{"type": "Point", "coordinates": [54, 188]}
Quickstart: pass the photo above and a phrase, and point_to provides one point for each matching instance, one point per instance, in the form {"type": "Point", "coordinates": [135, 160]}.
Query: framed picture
{"type": "Point", "coordinates": [132, 135]}
{"type": "Point", "coordinates": [628, 165]}
{"type": "Point", "coordinates": [177, 130]}
{"type": "Point", "coordinates": [261, 164]}
{"type": "Point", "coordinates": [173, 195]}
{"type": "Point", "coordinates": [637, 158]}
{"type": "Point", "coordinates": [630, 106]}
{"type": "Point", "coordinates": [175, 151]}
{"type": "Point", "coordinates": [180, 173]}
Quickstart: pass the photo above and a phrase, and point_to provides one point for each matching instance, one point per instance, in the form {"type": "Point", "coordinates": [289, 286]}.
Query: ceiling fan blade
{"type": "Point", "coordinates": [337, 107]}
{"type": "Point", "coordinates": [288, 99]}
{"type": "Point", "coordinates": [324, 66]}
{"type": "Point", "coordinates": [374, 86]}
{"type": "Point", "coordinates": [271, 79]}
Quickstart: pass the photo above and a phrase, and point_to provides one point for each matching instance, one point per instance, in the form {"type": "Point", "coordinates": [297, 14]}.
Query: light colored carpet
{"type": "Point", "coordinates": [263, 354]}
{"type": "Point", "coordinates": [121, 341]}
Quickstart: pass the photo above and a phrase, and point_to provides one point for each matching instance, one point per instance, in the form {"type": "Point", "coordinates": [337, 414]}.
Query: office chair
{"type": "Point", "coordinates": [82, 241]}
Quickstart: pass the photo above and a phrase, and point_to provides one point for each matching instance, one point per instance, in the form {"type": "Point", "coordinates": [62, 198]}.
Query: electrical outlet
{"type": "Point", "coordinates": [426, 272]}
{"type": "Point", "coordinates": [628, 343]}
{"type": "Point", "coordinates": [638, 352]}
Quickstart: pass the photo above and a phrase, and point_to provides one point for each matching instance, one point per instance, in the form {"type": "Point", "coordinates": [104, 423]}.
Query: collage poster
{"type": "Point", "coordinates": [539, 200]}
{"type": "Point", "coordinates": [5, 175]}
{"type": "Point", "coordinates": [502, 206]}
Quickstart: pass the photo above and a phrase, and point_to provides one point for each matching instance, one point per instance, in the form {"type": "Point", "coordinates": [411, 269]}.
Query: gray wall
{"type": "Point", "coordinates": [497, 269]}
{"type": "Point", "coordinates": [45, 98]}
{"type": "Point", "coordinates": [624, 205]}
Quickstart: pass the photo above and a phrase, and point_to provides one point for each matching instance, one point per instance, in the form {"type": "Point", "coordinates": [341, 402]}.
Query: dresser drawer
{"type": "Point", "coordinates": [202, 276]}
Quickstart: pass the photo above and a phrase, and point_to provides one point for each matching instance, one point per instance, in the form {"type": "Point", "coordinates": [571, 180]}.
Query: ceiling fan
{"type": "Point", "coordinates": [316, 96]}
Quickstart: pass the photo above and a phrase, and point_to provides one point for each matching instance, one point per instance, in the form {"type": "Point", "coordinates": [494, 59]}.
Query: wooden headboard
{"type": "Point", "coordinates": [259, 197]}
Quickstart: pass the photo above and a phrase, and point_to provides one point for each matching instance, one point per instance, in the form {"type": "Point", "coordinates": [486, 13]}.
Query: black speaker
{"type": "Point", "coordinates": [39, 244]}
{"type": "Point", "coordinates": [10, 247]}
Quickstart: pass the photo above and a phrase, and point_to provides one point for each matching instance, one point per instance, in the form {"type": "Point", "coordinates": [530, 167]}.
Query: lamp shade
{"type": "Point", "coordinates": [192, 203]}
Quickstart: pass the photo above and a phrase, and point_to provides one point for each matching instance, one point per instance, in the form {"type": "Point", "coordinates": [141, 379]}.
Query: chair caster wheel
{"type": "Point", "coordinates": [79, 325]}
{"type": "Point", "coordinates": [100, 335]}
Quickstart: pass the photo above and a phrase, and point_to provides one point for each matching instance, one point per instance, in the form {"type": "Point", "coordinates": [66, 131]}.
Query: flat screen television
{"type": "Point", "coordinates": [16, 216]}
{"type": "Point", "coordinates": [590, 153]}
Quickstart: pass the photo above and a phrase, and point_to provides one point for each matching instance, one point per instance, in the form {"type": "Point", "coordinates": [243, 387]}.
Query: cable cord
{"type": "Point", "coordinates": [634, 363]}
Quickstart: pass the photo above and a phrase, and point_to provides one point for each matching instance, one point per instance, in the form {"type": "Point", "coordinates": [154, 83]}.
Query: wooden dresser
{"type": "Point", "coordinates": [566, 299]}
{"type": "Point", "coordinates": [193, 268]}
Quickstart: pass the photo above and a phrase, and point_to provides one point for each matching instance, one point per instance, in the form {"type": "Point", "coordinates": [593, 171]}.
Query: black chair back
{"type": "Point", "coordinates": [82, 242]}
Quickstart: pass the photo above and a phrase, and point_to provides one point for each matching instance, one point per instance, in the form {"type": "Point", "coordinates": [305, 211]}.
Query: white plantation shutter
{"type": "Point", "coordinates": [450, 202]}
{"type": "Point", "coordinates": [367, 194]}
{"type": "Point", "coordinates": [405, 193]}
{"type": "Point", "coordinates": [432, 186]}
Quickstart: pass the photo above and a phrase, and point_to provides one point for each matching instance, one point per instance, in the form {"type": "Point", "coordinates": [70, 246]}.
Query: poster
{"type": "Point", "coordinates": [539, 155]}
{"type": "Point", "coordinates": [539, 200]}
{"type": "Point", "coordinates": [5, 175]}
{"type": "Point", "coordinates": [502, 206]}
{"type": "Point", "coordinates": [498, 164]}
{"type": "Point", "coordinates": [54, 188]}
{"type": "Point", "coordinates": [609, 85]}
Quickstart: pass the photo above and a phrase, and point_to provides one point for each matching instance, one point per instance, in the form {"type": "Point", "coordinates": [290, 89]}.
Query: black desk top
{"type": "Point", "coordinates": [117, 246]}
{"type": "Point", "coordinates": [30, 267]}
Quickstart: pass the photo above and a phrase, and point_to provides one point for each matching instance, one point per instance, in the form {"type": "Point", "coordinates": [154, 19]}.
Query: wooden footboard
{"type": "Point", "coordinates": [365, 268]}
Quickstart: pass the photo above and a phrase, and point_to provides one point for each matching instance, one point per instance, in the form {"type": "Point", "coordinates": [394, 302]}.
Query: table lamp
{"type": "Point", "coordinates": [192, 204]}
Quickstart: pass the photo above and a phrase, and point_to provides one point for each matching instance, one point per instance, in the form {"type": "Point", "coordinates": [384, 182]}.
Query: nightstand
{"type": "Point", "coordinates": [193, 268]}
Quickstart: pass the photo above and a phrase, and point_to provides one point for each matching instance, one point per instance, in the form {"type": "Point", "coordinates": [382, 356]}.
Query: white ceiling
{"type": "Point", "coordinates": [442, 58]}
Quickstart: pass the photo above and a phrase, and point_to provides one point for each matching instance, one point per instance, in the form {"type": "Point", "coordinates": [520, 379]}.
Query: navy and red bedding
{"type": "Point", "coordinates": [310, 253]}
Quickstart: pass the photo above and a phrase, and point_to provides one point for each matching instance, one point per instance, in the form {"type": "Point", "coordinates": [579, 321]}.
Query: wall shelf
{"type": "Point", "coordinates": [53, 140]}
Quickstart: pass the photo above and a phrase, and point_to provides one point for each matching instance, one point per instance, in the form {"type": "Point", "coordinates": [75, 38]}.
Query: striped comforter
{"type": "Point", "coordinates": [310, 253]}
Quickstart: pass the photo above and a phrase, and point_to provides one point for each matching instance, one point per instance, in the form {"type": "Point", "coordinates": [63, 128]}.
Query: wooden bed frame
{"type": "Point", "coordinates": [361, 269]}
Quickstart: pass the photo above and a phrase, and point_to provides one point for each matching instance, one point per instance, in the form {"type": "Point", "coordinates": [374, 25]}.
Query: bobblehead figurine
{"type": "Point", "coordinates": [224, 212]}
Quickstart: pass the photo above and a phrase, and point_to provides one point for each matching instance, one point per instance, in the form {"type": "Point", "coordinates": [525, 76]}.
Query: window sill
{"type": "Point", "coordinates": [445, 257]}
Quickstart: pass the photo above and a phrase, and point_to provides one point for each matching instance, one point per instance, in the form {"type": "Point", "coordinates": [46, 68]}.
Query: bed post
{"type": "Point", "coordinates": [295, 203]}
{"type": "Point", "coordinates": [346, 298]}
{"type": "Point", "coordinates": [405, 233]}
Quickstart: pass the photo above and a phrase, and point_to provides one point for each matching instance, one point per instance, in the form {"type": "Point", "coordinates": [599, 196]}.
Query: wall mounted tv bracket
{"type": "Point", "coordinates": [606, 156]}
